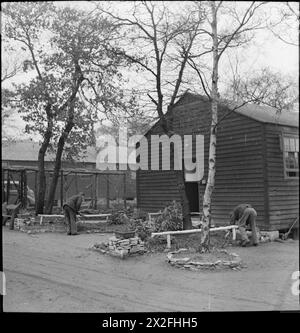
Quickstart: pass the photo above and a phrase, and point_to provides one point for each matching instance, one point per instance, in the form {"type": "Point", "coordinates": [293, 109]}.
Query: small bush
{"type": "Point", "coordinates": [170, 219]}
{"type": "Point", "coordinates": [139, 214]}
{"type": "Point", "coordinates": [119, 217]}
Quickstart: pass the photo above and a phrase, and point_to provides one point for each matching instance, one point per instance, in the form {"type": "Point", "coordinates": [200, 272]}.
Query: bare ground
{"type": "Point", "coordinates": [52, 272]}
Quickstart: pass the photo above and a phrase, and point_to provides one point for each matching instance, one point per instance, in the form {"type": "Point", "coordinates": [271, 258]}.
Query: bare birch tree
{"type": "Point", "coordinates": [235, 32]}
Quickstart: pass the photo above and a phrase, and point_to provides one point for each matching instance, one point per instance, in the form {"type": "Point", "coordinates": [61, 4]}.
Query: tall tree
{"type": "Point", "coordinates": [75, 78]}
{"type": "Point", "coordinates": [23, 23]}
{"type": "Point", "coordinates": [286, 25]}
{"type": "Point", "coordinates": [264, 87]}
{"type": "Point", "coordinates": [237, 28]}
{"type": "Point", "coordinates": [159, 42]}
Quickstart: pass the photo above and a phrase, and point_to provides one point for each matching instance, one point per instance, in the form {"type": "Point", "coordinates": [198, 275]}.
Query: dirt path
{"type": "Point", "coordinates": [56, 273]}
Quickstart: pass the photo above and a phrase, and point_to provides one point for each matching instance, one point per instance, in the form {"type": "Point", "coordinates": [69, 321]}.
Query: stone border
{"type": "Point", "coordinates": [188, 263]}
{"type": "Point", "coordinates": [121, 253]}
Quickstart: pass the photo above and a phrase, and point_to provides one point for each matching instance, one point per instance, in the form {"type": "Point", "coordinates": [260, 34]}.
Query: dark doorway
{"type": "Point", "coordinates": [192, 195]}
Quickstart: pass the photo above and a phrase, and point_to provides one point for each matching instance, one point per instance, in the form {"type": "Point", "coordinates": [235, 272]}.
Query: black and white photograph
{"type": "Point", "coordinates": [150, 160]}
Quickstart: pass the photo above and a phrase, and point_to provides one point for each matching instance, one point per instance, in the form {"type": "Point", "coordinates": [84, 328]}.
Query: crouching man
{"type": "Point", "coordinates": [71, 208]}
{"type": "Point", "coordinates": [245, 215]}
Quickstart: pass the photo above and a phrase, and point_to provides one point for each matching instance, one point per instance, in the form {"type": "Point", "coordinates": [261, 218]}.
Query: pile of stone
{"type": "Point", "coordinates": [121, 247]}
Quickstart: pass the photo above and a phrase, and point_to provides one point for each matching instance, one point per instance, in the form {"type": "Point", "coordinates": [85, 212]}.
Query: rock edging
{"type": "Point", "coordinates": [188, 263]}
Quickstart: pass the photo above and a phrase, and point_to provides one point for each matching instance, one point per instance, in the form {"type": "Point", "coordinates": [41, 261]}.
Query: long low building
{"type": "Point", "coordinates": [78, 173]}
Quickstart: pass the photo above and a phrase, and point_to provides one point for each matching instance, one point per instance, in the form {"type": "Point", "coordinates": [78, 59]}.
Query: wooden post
{"type": "Point", "coordinates": [3, 189]}
{"type": "Point", "coordinates": [92, 193]}
{"type": "Point", "coordinates": [96, 190]}
{"type": "Point", "coordinates": [233, 234]}
{"type": "Point", "coordinates": [107, 191]}
{"type": "Point", "coordinates": [7, 187]}
{"type": "Point", "coordinates": [35, 188]}
{"type": "Point", "coordinates": [124, 195]}
{"type": "Point", "coordinates": [24, 188]}
{"type": "Point", "coordinates": [61, 188]}
{"type": "Point", "coordinates": [76, 183]}
{"type": "Point", "coordinates": [21, 188]}
{"type": "Point", "coordinates": [169, 241]}
{"type": "Point", "coordinates": [65, 188]}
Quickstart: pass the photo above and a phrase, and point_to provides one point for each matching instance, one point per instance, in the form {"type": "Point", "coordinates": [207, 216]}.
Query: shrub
{"type": "Point", "coordinates": [139, 214]}
{"type": "Point", "coordinates": [119, 217]}
{"type": "Point", "coordinates": [170, 219]}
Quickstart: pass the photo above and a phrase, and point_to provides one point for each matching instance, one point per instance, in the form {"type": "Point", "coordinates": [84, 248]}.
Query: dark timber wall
{"type": "Point", "coordinates": [283, 193]}
{"type": "Point", "coordinates": [249, 167]}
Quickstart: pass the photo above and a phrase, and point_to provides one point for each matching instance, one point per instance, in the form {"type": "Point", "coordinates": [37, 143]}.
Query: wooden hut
{"type": "Point", "coordinates": [256, 163]}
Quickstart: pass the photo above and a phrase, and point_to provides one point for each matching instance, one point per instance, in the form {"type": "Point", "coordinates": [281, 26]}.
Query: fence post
{"type": "Point", "coordinates": [61, 188]}
{"type": "Point", "coordinates": [3, 188]}
{"type": "Point", "coordinates": [96, 190]}
{"type": "Point", "coordinates": [7, 187]}
{"type": "Point", "coordinates": [107, 191]}
{"type": "Point", "coordinates": [124, 197]}
{"type": "Point", "coordinates": [24, 189]}
{"type": "Point", "coordinates": [35, 189]}
{"type": "Point", "coordinates": [76, 183]}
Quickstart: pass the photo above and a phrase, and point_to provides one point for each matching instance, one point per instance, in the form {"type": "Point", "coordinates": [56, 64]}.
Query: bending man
{"type": "Point", "coordinates": [71, 208]}
{"type": "Point", "coordinates": [244, 215]}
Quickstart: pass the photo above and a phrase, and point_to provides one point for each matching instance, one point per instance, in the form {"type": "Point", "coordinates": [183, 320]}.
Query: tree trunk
{"type": "Point", "coordinates": [186, 216]}
{"type": "Point", "coordinates": [213, 137]}
{"type": "Point", "coordinates": [57, 167]}
{"type": "Point", "coordinates": [41, 177]}
{"type": "Point", "coordinates": [187, 223]}
{"type": "Point", "coordinates": [70, 104]}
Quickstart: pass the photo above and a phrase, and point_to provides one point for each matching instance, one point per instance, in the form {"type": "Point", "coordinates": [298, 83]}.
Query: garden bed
{"type": "Point", "coordinates": [193, 260]}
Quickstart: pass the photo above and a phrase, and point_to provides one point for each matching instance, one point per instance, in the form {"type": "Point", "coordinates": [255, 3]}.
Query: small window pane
{"type": "Point", "coordinates": [286, 144]}
{"type": "Point", "coordinates": [292, 144]}
{"type": "Point", "coordinates": [291, 157]}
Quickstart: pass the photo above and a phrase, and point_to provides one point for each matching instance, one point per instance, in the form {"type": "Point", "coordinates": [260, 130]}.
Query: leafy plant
{"type": "Point", "coordinates": [170, 219]}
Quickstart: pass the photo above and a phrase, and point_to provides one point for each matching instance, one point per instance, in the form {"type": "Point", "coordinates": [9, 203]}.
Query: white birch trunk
{"type": "Point", "coordinates": [213, 138]}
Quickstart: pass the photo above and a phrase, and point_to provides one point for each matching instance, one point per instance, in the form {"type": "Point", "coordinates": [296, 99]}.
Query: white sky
{"type": "Point", "coordinates": [267, 50]}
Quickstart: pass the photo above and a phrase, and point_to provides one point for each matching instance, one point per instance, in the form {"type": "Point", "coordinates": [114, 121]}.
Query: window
{"type": "Point", "coordinates": [291, 156]}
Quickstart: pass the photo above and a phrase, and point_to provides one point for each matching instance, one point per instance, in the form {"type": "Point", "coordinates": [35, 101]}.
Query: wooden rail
{"type": "Point", "coordinates": [180, 232]}
{"type": "Point", "coordinates": [59, 215]}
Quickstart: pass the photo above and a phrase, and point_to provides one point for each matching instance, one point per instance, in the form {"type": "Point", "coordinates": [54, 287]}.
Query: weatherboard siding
{"type": "Point", "coordinates": [249, 167]}
{"type": "Point", "coordinates": [239, 169]}
{"type": "Point", "coordinates": [156, 189]}
{"type": "Point", "coordinates": [283, 193]}
{"type": "Point", "coordinates": [239, 165]}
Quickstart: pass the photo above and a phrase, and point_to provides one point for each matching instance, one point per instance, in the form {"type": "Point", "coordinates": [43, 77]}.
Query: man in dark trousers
{"type": "Point", "coordinates": [243, 215]}
{"type": "Point", "coordinates": [71, 208]}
